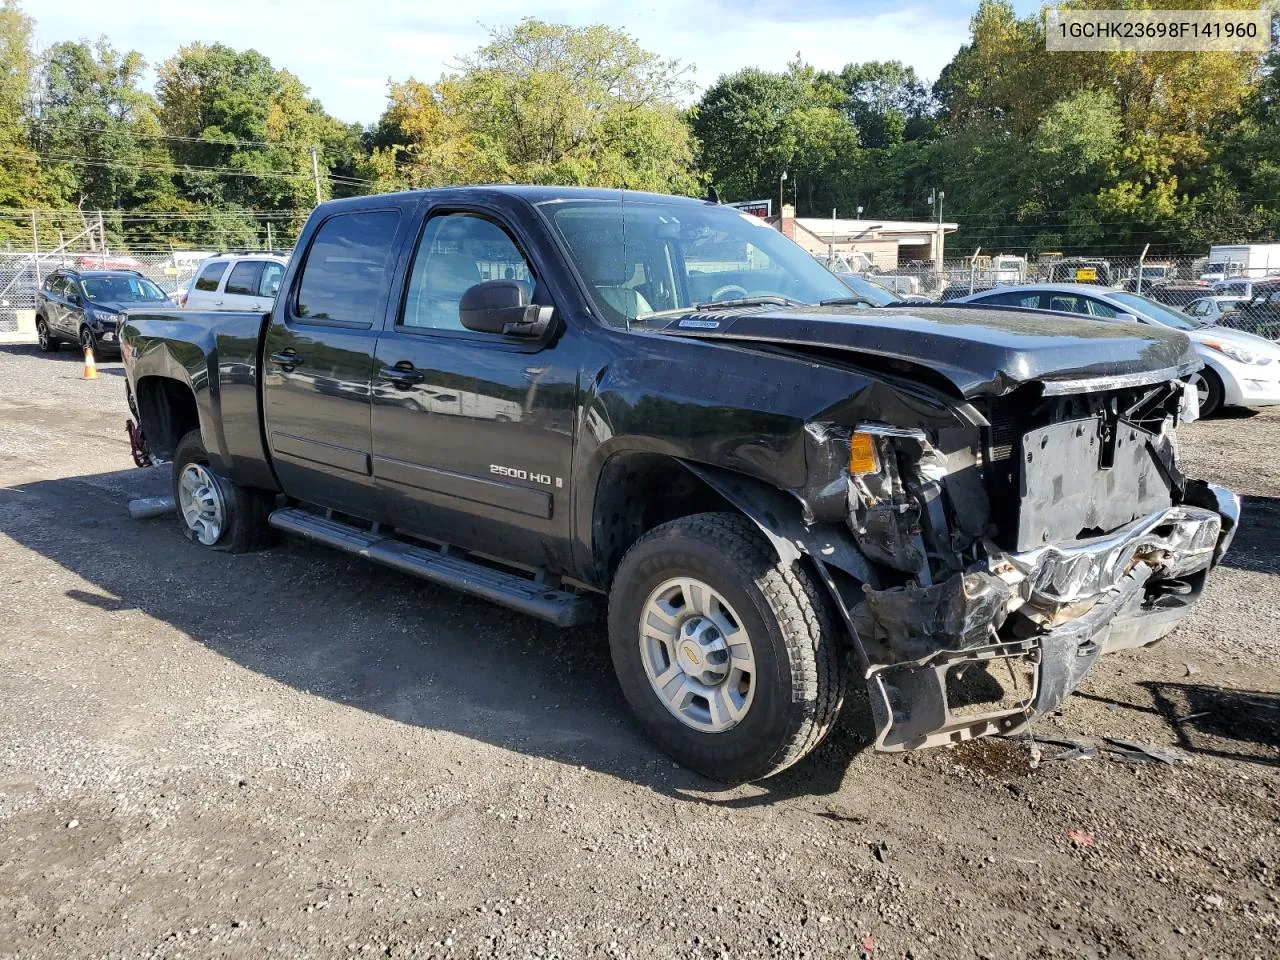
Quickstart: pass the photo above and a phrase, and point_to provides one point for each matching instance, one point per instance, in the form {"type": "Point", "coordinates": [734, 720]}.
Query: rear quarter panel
{"type": "Point", "coordinates": [216, 354]}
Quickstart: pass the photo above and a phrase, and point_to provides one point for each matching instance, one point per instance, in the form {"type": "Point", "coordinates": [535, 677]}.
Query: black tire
{"type": "Point", "coordinates": [47, 341]}
{"type": "Point", "coordinates": [246, 509]}
{"type": "Point", "coordinates": [799, 682]}
{"type": "Point", "coordinates": [1213, 402]}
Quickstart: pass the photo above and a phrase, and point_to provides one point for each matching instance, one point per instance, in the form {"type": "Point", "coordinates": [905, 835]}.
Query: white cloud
{"type": "Point", "coordinates": [347, 52]}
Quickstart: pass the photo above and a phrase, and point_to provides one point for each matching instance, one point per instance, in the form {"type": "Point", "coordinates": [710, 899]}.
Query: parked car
{"type": "Point", "coordinates": [875, 294]}
{"type": "Point", "coordinates": [1260, 314]}
{"type": "Point", "coordinates": [545, 396]}
{"type": "Point", "coordinates": [1240, 369]}
{"type": "Point", "coordinates": [1211, 309]}
{"type": "Point", "coordinates": [1177, 295]}
{"type": "Point", "coordinates": [236, 282]}
{"type": "Point", "coordinates": [1234, 288]}
{"type": "Point", "coordinates": [84, 307]}
{"type": "Point", "coordinates": [1081, 270]}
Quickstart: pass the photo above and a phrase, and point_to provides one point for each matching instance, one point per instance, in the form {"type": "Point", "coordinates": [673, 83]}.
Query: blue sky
{"type": "Point", "coordinates": [346, 51]}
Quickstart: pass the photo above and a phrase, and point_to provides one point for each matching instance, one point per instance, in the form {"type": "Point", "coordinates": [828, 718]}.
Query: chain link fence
{"type": "Point", "coordinates": [1208, 288]}
{"type": "Point", "coordinates": [1174, 281]}
{"type": "Point", "coordinates": [22, 273]}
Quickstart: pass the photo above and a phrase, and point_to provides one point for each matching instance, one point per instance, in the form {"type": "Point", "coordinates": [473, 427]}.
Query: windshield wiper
{"type": "Point", "coordinates": [749, 302]}
{"type": "Point", "coordinates": [854, 302]}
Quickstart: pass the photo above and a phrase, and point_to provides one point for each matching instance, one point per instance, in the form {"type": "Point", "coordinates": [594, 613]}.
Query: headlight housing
{"type": "Point", "coordinates": [1238, 353]}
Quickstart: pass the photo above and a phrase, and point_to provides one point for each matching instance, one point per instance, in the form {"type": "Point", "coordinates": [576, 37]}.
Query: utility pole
{"type": "Point", "coordinates": [35, 246]}
{"type": "Point", "coordinates": [831, 244]}
{"type": "Point", "coordinates": [781, 180]}
{"type": "Point", "coordinates": [102, 236]}
{"type": "Point", "coordinates": [315, 172]}
{"type": "Point", "coordinates": [937, 196]}
{"type": "Point", "coordinates": [270, 244]}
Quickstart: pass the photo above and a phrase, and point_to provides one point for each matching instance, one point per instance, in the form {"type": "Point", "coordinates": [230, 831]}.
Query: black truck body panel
{"type": "Point", "coordinates": [510, 448]}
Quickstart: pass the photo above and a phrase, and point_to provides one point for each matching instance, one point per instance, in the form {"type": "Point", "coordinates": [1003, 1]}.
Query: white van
{"type": "Point", "coordinates": [241, 282]}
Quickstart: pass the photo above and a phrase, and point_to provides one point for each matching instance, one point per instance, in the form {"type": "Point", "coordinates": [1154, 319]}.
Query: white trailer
{"type": "Point", "coordinates": [1247, 261]}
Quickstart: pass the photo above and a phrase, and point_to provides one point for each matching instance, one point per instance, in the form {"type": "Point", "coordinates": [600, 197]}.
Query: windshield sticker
{"type": "Point", "coordinates": [699, 324]}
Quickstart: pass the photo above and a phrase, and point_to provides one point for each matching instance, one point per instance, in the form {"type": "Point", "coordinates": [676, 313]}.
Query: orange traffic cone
{"type": "Point", "coordinates": [90, 365]}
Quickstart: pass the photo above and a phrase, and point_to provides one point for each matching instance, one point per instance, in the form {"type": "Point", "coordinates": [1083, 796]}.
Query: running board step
{"type": "Point", "coordinates": [561, 607]}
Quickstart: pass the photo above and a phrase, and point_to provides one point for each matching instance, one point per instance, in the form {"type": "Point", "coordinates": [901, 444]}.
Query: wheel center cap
{"type": "Point", "coordinates": [701, 651]}
{"type": "Point", "coordinates": [690, 656]}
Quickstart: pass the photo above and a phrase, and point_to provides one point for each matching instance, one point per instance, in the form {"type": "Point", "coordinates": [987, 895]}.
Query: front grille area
{"type": "Point", "coordinates": [1091, 477]}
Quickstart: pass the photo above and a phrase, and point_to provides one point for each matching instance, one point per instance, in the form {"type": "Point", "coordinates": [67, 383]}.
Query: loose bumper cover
{"type": "Point", "coordinates": [1060, 606]}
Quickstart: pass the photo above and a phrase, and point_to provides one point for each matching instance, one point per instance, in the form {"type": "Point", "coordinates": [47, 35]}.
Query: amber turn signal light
{"type": "Point", "coordinates": [862, 455]}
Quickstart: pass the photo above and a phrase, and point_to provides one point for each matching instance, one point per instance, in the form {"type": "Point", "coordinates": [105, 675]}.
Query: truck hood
{"type": "Point", "coordinates": [981, 351]}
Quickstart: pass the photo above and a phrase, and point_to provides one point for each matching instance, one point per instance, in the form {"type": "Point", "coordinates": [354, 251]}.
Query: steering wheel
{"type": "Point", "coordinates": [729, 288]}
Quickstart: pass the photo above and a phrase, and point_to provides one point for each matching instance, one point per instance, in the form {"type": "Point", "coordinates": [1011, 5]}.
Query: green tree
{"type": "Point", "coordinates": [753, 125]}
{"type": "Point", "coordinates": [243, 132]}
{"type": "Point", "coordinates": [98, 131]}
{"type": "Point", "coordinates": [886, 102]}
{"type": "Point", "coordinates": [22, 184]}
{"type": "Point", "coordinates": [543, 103]}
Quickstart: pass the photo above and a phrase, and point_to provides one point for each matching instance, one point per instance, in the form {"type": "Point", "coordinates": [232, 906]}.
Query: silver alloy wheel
{"type": "Point", "coordinates": [42, 333]}
{"type": "Point", "coordinates": [1202, 387]}
{"type": "Point", "coordinates": [697, 655]}
{"type": "Point", "coordinates": [200, 500]}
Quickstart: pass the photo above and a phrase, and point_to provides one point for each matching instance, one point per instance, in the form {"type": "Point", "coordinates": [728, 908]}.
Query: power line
{"type": "Point", "coordinates": [186, 168]}
{"type": "Point", "coordinates": [84, 128]}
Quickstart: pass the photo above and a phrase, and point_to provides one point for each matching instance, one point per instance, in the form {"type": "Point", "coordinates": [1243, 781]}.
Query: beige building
{"type": "Point", "coordinates": [884, 244]}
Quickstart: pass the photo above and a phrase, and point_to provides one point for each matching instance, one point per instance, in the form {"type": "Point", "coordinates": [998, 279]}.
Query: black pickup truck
{"type": "Point", "coordinates": [548, 396]}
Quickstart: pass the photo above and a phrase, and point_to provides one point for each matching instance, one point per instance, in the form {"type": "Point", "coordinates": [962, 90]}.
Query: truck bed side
{"type": "Point", "coordinates": [195, 368]}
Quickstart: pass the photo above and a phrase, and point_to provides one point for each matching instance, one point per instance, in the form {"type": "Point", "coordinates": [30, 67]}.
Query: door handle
{"type": "Point", "coordinates": [217, 303]}
{"type": "Point", "coordinates": [286, 358]}
{"type": "Point", "coordinates": [402, 375]}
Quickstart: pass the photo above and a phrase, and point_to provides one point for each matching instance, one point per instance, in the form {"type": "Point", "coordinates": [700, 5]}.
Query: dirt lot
{"type": "Point", "coordinates": [293, 753]}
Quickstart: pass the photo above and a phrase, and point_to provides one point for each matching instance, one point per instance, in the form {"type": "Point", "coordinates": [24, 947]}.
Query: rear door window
{"type": "Point", "coordinates": [269, 285]}
{"type": "Point", "coordinates": [244, 278]}
{"type": "Point", "coordinates": [1028, 300]}
{"type": "Point", "coordinates": [210, 276]}
{"type": "Point", "coordinates": [1099, 309]}
{"type": "Point", "coordinates": [348, 268]}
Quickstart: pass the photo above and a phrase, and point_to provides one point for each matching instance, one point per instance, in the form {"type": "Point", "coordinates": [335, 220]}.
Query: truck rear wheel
{"type": "Point", "coordinates": [213, 511]}
{"type": "Point", "coordinates": [728, 657]}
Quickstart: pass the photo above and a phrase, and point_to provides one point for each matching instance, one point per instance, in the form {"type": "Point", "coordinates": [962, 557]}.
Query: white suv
{"type": "Point", "coordinates": [247, 282]}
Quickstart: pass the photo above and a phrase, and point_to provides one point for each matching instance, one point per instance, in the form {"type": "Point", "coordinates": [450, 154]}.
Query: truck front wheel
{"type": "Point", "coordinates": [728, 656]}
{"type": "Point", "coordinates": [213, 511]}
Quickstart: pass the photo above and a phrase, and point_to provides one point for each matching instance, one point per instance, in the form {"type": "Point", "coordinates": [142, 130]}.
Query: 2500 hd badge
{"type": "Point", "coordinates": [515, 473]}
{"type": "Point", "coordinates": [777, 492]}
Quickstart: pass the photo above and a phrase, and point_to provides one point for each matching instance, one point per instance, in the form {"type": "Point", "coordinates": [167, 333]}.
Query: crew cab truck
{"type": "Point", "coordinates": [550, 397]}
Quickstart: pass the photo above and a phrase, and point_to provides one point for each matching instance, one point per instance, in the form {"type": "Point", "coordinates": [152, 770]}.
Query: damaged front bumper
{"type": "Point", "coordinates": [1048, 613]}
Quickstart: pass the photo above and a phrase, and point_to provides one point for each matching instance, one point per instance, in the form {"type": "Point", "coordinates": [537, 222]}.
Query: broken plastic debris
{"type": "Point", "coordinates": [1081, 838]}
{"type": "Point", "coordinates": [1083, 751]}
{"type": "Point", "coordinates": [1134, 752]}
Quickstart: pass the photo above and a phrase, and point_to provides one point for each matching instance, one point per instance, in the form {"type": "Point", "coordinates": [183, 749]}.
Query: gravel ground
{"type": "Point", "coordinates": [343, 761]}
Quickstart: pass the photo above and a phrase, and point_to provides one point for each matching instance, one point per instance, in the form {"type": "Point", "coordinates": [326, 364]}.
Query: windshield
{"type": "Point", "coordinates": [122, 290]}
{"type": "Point", "coordinates": [879, 295]}
{"type": "Point", "coordinates": [670, 256]}
{"type": "Point", "coordinates": [1158, 312]}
